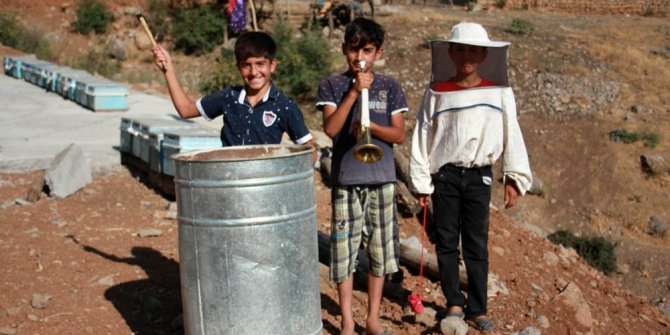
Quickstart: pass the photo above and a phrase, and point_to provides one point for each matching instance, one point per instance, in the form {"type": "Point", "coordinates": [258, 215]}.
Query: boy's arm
{"type": "Point", "coordinates": [420, 181]}
{"type": "Point", "coordinates": [184, 105]}
{"type": "Point", "coordinates": [516, 168]}
{"type": "Point", "coordinates": [393, 134]}
{"type": "Point", "coordinates": [334, 117]}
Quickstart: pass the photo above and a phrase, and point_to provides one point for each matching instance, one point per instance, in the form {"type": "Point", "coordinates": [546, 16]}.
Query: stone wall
{"type": "Point", "coordinates": [631, 7]}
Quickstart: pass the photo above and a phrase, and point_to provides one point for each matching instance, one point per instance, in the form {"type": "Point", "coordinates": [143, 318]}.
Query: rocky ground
{"type": "Point", "coordinates": [86, 265]}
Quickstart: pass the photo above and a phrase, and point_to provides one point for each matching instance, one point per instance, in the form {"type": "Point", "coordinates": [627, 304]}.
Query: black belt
{"type": "Point", "coordinates": [454, 167]}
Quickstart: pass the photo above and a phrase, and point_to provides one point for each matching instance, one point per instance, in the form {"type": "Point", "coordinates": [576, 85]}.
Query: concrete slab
{"type": "Point", "coordinates": [35, 125]}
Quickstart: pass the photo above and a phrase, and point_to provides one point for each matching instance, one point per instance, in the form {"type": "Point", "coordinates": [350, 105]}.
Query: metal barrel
{"type": "Point", "coordinates": [248, 240]}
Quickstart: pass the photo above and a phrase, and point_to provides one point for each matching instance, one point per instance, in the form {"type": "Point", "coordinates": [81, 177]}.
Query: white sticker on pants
{"type": "Point", "coordinates": [487, 180]}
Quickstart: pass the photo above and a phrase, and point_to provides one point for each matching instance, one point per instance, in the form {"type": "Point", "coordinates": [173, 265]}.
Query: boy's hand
{"type": "Point", "coordinates": [363, 80]}
{"type": "Point", "coordinates": [162, 58]}
{"type": "Point", "coordinates": [511, 194]}
{"type": "Point", "coordinates": [424, 199]}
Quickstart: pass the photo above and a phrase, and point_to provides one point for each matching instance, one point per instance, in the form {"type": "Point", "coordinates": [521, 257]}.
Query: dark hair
{"type": "Point", "coordinates": [362, 31]}
{"type": "Point", "coordinates": [254, 44]}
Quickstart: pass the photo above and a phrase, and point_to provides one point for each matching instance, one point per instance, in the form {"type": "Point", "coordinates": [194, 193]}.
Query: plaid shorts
{"type": "Point", "coordinates": [367, 215]}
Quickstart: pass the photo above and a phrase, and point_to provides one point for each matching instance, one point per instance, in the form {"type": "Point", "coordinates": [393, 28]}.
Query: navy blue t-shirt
{"type": "Point", "coordinates": [264, 123]}
{"type": "Point", "coordinates": [385, 99]}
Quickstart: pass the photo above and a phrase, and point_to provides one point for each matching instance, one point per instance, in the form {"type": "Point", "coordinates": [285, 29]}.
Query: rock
{"type": "Point", "coordinates": [495, 286]}
{"type": "Point", "coordinates": [530, 331]}
{"type": "Point", "coordinates": [550, 258]}
{"type": "Point", "coordinates": [7, 330]}
{"type": "Point", "coordinates": [149, 232]}
{"type": "Point", "coordinates": [427, 317]}
{"type": "Point", "coordinates": [117, 49]}
{"type": "Point", "coordinates": [657, 226]}
{"type": "Point", "coordinates": [106, 281]}
{"type": "Point", "coordinates": [573, 298]}
{"type": "Point", "coordinates": [40, 301]}
{"type": "Point", "coordinates": [537, 187]}
{"type": "Point", "coordinates": [68, 172]}
{"type": "Point", "coordinates": [453, 326]}
{"type": "Point", "coordinates": [655, 165]}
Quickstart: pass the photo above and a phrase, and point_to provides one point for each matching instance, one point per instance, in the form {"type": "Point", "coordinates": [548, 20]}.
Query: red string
{"type": "Point", "coordinates": [415, 298]}
{"type": "Point", "coordinates": [423, 236]}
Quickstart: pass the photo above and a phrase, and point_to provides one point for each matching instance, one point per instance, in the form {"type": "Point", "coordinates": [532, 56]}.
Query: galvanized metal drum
{"type": "Point", "coordinates": [248, 241]}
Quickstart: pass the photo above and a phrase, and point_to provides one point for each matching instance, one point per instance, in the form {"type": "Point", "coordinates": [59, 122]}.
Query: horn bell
{"type": "Point", "coordinates": [365, 151]}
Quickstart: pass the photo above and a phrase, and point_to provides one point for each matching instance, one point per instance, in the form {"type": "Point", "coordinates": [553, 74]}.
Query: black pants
{"type": "Point", "coordinates": [461, 208]}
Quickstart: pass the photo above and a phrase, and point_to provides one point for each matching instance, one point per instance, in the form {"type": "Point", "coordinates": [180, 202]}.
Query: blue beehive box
{"type": "Point", "coordinates": [49, 75]}
{"type": "Point", "coordinates": [127, 135]}
{"type": "Point", "coordinates": [66, 82]}
{"type": "Point", "coordinates": [14, 65]}
{"type": "Point", "coordinates": [185, 140]}
{"type": "Point", "coordinates": [32, 71]}
{"type": "Point", "coordinates": [80, 86]}
{"type": "Point", "coordinates": [106, 96]}
{"type": "Point", "coordinates": [157, 128]}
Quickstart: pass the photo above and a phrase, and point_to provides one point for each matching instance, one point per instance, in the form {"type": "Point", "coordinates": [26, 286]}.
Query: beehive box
{"type": "Point", "coordinates": [33, 69]}
{"type": "Point", "coordinates": [66, 82]}
{"type": "Point", "coordinates": [157, 128]}
{"type": "Point", "coordinates": [106, 96]}
{"type": "Point", "coordinates": [14, 65]}
{"type": "Point", "coordinates": [185, 140]}
{"type": "Point", "coordinates": [82, 84]}
{"type": "Point", "coordinates": [50, 76]}
{"type": "Point", "coordinates": [127, 135]}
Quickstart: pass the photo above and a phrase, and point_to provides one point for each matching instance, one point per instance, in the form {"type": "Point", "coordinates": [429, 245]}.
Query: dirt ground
{"type": "Point", "coordinates": [79, 265]}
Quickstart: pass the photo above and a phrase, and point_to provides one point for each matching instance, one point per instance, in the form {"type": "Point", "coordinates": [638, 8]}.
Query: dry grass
{"type": "Point", "coordinates": [626, 46]}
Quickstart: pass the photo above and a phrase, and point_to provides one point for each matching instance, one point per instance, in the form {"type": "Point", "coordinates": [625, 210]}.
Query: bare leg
{"type": "Point", "coordinates": [345, 292]}
{"type": "Point", "coordinates": [375, 288]}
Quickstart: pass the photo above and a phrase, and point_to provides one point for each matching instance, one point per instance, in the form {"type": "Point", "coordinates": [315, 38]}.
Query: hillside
{"type": "Point", "coordinates": [576, 78]}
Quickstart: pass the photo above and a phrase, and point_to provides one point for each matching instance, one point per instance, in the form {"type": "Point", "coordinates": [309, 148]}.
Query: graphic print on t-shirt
{"type": "Point", "coordinates": [269, 118]}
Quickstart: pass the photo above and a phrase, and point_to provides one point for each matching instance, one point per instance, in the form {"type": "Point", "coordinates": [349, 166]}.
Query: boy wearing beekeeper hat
{"type": "Point", "coordinates": [467, 120]}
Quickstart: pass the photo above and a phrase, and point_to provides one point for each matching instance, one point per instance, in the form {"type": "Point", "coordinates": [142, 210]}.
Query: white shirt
{"type": "Point", "coordinates": [468, 128]}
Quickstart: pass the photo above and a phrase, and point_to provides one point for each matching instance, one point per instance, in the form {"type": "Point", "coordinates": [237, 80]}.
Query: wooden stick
{"type": "Point", "coordinates": [143, 22]}
{"type": "Point", "coordinates": [253, 14]}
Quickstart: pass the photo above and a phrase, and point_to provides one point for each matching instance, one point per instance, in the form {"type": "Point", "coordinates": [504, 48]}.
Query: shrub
{"type": "Point", "coordinates": [198, 29]}
{"type": "Point", "coordinates": [303, 61]}
{"type": "Point", "coordinates": [521, 27]}
{"type": "Point", "coordinates": [597, 251]}
{"type": "Point", "coordinates": [651, 139]}
{"type": "Point", "coordinates": [92, 15]}
{"type": "Point", "coordinates": [226, 74]}
{"type": "Point", "coordinates": [14, 34]}
{"type": "Point", "coordinates": [97, 62]}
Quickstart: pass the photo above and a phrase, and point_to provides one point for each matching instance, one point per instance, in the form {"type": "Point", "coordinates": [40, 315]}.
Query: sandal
{"type": "Point", "coordinates": [483, 324]}
{"type": "Point", "coordinates": [459, 315]}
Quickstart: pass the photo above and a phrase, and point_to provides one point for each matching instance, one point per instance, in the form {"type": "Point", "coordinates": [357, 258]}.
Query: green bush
{"type": "Point", "coordinates": [597, 251]}
{"type": "Point", "coordinates": [226, 74]}
{"type": "Point", "coordinates": [10, 31]}
{"type": "Point", "coordinates": [92, 15]}
{"type": "Point", "coordinates": [303, 61]}
{"type": "Point", "coordinates": [521, 27]}
{"type": "Point", "coordinates": [651, 139]}
{"type": "Point", "coordinates": [199, 29]}
{"type": "Point", "coordinates": [97, 62]}
{"type": "Point", "coordinates": [13, 34]}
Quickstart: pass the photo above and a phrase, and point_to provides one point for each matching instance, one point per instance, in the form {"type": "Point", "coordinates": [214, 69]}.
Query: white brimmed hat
{"type": "Point", "coordinates": [473, 34]}
{"type": "Point", "coordinates": [493, 68]}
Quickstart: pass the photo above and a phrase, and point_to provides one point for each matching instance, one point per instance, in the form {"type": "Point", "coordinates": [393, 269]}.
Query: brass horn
{"type": "Point", "coordinates": [365, 151]}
